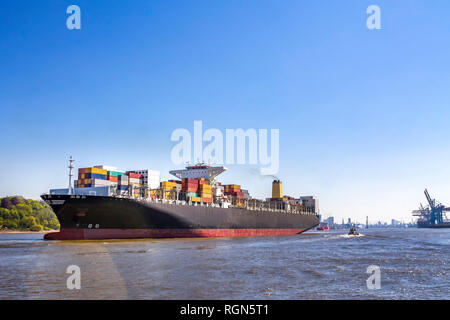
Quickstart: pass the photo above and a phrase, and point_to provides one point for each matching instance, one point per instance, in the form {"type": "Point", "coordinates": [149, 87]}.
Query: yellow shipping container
{"type": "Point", "coordinates": [206, 195]}
{"type": "Point", "coordinates": [169, 183]}
{"type": "Point", "coordinates": [232, 186]}
{"type": "Point", "coordinates": [170, 196]}
{"type": "Point", "coordinates": [97, 171]}
{"type": "Point", "coordinates": [195, 199]}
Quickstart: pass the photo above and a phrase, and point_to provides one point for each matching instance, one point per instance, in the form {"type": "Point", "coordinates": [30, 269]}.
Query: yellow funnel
{"type": "Point", "coordinates": [277, 192]}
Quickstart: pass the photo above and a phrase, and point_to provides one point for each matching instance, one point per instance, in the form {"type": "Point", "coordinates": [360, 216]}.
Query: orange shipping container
{"type": "Point", "coordinates": [113, 179]}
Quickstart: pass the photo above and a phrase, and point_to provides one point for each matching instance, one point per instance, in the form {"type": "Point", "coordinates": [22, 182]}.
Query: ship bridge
{"type": "Point", "coordinates": [198, 171]}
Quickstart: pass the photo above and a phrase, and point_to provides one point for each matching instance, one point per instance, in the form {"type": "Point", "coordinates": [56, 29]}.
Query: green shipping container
{"type": "Point", "coordinates": [115, 173]}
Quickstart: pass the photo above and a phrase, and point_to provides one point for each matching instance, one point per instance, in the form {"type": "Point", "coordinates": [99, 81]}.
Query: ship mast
{"type": "Point", "coordinates": [70, 173]}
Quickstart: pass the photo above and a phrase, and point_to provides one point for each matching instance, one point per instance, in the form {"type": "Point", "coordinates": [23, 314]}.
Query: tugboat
{"type": "Point", "coordinates": [323, 227]}
{"type": "Point", "coordinates": [353, 231]}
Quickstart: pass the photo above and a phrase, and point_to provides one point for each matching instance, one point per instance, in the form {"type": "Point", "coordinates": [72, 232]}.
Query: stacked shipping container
{"type": "Point", "coordinates": [205, 191]}
{"type": "Point", "coordinates": [169, 189]}
{"type": "Point", "coordinates": [101, 176]}
{"type": "Point", "coordinates": [197, 190]}
{"type": "Point", "coordinates": [235, 191]}
{"type": "Point", "coordinates": [134, 182]}
{"type": "Point", "coordinates": [93, 177]}
{"type": "Point", "coordinates": [150, 179]}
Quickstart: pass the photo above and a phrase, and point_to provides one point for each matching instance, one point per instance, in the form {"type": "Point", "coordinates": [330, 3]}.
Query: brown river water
{"type": "Point", "coordinates": [413, 264]}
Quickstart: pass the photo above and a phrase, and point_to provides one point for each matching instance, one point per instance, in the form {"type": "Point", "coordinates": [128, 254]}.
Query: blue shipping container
{"type": "Point", "coordinates": [96, 176]}
{"type": "Point", "coordinates": [93, 191]}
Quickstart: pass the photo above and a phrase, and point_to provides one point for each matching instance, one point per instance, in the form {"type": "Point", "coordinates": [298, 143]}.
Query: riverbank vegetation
{"type": "Point", "coordinates": [18, 213]}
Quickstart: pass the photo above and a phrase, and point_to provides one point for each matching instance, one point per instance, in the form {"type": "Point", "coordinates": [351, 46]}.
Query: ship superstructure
{"type": "Point", "coordinates": [199, 171]}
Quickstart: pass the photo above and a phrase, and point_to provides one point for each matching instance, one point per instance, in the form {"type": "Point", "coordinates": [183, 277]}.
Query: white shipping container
{"type": "Point", "coordinates": [101, 182]}
{"type": "Point", "coordinates": [108, 168]}
{"type": "Point", "coordinates": [218, 191]}
{"type": "Point", "coordinates": [134, 180]}
{"type": "Point", "coordinates": [150, 178]}
{"type": "Point", "coordinates": [153, 181]}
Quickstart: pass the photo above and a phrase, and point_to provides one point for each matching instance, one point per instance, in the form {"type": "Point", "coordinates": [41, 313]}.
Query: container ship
{"type": "Point", "coordinates": [108, 204]}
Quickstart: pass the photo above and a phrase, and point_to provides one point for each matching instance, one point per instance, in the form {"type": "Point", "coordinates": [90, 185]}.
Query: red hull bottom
{"type": "Point", "coordinates": [98, 234]}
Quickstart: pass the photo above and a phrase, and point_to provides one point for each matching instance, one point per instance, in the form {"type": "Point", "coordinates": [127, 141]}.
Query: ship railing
{"type": "Point", "coordinates": [249, 204]}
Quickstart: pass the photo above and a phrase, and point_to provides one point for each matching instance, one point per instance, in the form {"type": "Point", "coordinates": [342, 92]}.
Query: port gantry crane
{"type": "Point", "coordinates": [433, 213]}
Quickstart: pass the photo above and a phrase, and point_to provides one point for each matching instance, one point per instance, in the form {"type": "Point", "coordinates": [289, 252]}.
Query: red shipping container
{"type": "Point", "coordinates": [134, 175]}
{"type": "Point", "coordinates": [233, 191]}
{"type": "Point", "coordinates": [189, 185]}
{"type": "Point", "coordinates": [236, 194]}
{"type": "Point", "coordinates": [203, 182]}
{"type": "Point", "coordinates": [113, 179]}
{"type": "Point", "coordinates": [190, 188]}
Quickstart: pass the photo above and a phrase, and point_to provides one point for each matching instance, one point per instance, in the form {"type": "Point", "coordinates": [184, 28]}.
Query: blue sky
{"type": "Point", "coordinates": [363, 115]}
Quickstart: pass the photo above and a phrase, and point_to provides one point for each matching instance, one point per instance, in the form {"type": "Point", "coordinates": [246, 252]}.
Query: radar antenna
{"type": "Point", "coordinates": [71, 160]}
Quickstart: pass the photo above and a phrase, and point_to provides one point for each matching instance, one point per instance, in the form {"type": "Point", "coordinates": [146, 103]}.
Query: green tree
{"type": "Point", "coordinates": [35, 205]}
{"type": "Point", "coordinates": [11, 224]}
{"type": "Point", "coordinates": [36, 227]}
{"type": "Point", "coordinates": [6, 203]}
{"type": "Point", "coordinates": [28, 222]}
{"type": "Point", "coordinates": [24, 209]}
{"type": "Point", "coordinates": [26, 214]}
{"type": "Point", "coordinates": [15, 200]}
{"type": "Point", "coordinates": [4, 213]}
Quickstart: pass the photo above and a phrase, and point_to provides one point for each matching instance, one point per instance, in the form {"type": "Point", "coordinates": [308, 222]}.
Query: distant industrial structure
{"type": "Point", "coordinates": [433, 215]}
{"type": "Point", "coordinates": [394, 224]}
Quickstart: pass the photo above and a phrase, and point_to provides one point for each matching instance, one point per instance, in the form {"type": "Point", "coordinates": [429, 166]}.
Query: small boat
{"type": "Point", "coordinates": [353, 231]}
{"type": "Point", "coordinates": [323, 227]}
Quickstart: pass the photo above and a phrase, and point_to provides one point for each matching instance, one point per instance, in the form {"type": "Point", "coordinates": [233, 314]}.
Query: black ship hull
{"type": "Point", "coordinates": [433, 226]}
{"type": "Point", "coordinates": [95, 217]}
